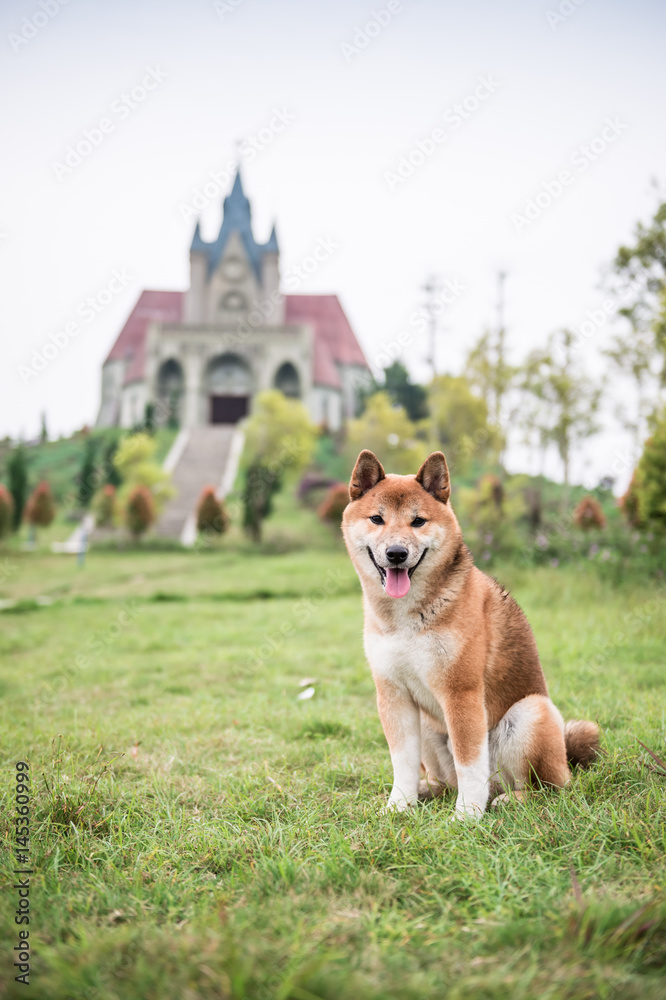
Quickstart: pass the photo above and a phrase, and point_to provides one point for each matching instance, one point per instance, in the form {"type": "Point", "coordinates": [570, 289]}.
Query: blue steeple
{"type": "Point", "coordinates": [236, 217]}
{"type": "Point", "coordinates": [272, 245]}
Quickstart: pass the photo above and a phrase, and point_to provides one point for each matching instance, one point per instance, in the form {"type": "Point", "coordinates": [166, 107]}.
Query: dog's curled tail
{"type": "Point", "coordinates": [582, 742]}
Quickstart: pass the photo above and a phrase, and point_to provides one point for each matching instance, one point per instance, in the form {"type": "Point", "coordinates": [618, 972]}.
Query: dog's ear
{"type": "Point", "coordinates": [367, 473]}
{"type": "Point", "coordinates": [434, 476]}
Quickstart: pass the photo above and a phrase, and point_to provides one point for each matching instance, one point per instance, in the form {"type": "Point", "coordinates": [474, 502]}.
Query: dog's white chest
{"type": "Point", "coordinates": [410, 661]}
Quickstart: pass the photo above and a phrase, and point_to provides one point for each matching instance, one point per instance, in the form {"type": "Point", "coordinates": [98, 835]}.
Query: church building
{"type": "Point", "coordinates": [202, 355]}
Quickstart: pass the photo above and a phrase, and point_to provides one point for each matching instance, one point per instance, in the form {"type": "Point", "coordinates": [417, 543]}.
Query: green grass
{"type": "Point", "coordinates": [198, 832]}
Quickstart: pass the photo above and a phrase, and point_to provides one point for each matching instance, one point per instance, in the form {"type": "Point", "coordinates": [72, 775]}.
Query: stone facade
{"type": "Point", "coordinates": [202, 355]}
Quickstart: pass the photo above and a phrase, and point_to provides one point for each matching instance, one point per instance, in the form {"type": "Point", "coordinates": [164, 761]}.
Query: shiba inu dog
{"type": "Point", "coordinates": [460, 689]}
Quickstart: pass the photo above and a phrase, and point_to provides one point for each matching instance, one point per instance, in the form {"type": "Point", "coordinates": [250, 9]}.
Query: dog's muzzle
{"type": "Point", "coordinates": [396, 579]}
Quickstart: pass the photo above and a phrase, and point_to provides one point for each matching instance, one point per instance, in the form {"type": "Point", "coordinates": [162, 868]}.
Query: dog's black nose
{"type": "Point", "coordinates": [396, 554]}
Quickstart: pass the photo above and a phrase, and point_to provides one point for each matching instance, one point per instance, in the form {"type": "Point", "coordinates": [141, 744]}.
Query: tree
{"type": "Point", "coordinates": [488, 371]}
{"type": "Point", "coordinates": [211, 516]}
{"type": "Point", "coordinates": [386, 430]}
{"type": "Point", "coordinates": [633, 355]}
{"type": "Point", "coordinates": [17, 477]}
{"type": "Point", "coordinates": [86, 478]}
{"type": "Point", "coordinates": [460, 421]}
{"type": "Point", "coordinates": [112, 476]}
{"type": "Point", "coordinates": [279, 429]}
{"type": "Point", "coordinates": [104, 506]}
{"type": "Point", "coordinates": [641, 270]}
{"type": "Point", "coordinates": [137, 467]}
{"type": "Point", "coordinates": [6, 511]}
{"type": "Point", "coordinates": [402, 391]}
{"type": "Point", "coordinates": [139, 510]}
{"type": "Point", "coordinates": [650, 479]}
{"type": "Point", "coordinates": [279, 436]}
{"type": "Point", "coordinates": [567, 400]}
{"type": "Point", "coordinates": [40, 508]}
{"type": "Point", "coordinates": [262, 482]}
{"type": "Point", "coordinates": [43, 434]}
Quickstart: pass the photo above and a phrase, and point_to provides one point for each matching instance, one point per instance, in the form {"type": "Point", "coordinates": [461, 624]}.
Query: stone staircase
{"type": "Point", "coordinates": [201, 456]}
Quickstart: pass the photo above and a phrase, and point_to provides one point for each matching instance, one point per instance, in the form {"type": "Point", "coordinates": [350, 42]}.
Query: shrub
{"type": "Point", "coordinates": [6, 511]}
{"type": "Point", "coordinates": [104, 506]}
{"type": "Point", "coordinates": [332, 506]}
{"type": "Point", "coordinates": [588, 514]}
{"type": "Point", "coordinates": [651, 476]}
{"type": "Point", "coordinates": [311, 483]}
{"type": "Point", "coordinates": [40, 509]}
{"type": "Point", "coordinates": [211, 515]}
{"type": "Point", "coordinates": [136, 465]}
{"type": "Point", "coordinates": [491, 494]}
{"type": "Point", "coordinates": [139, 510]}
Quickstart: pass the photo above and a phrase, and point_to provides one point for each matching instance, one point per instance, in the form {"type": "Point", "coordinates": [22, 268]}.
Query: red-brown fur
{"type": "Point", "coordinates": [489, 661]}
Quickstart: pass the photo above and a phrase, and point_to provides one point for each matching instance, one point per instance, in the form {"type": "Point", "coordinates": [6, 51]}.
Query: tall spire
{"type": "Point", "coordinates": [236, 205]}
{"type": "Point", "coordinates": [272, 245]}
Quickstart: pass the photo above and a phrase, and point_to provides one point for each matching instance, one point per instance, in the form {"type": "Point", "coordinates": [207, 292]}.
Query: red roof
{"type": "Point", "coordinates": [334, 340]}
{"type": "Point", "coordinates": [165, 307]}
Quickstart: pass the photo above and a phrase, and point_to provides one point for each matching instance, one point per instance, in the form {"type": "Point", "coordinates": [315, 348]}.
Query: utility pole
{"type": "Point", "coordinates": [432, 287]}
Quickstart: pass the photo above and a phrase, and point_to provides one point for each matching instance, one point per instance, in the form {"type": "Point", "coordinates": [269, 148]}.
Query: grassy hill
{"type": "Point", "coordinates": [198, 831]}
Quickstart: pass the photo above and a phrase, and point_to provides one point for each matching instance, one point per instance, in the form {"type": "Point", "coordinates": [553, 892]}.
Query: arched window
{"type": "Point", "coordinates": [287, 380]}
{"type": "Point", "coordinates": [170, 385]}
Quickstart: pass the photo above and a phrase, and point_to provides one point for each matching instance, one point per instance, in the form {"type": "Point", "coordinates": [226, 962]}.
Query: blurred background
{"type": "Point", "coordinates": [461, 230]}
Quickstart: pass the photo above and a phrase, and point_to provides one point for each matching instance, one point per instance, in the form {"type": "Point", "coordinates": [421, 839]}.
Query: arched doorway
{"type": "Point", "coordinates": [170, 386]}
{"type": "Point", "coordinates": [229, 387]}
{"type": "Point", "coordinates": [288, 381]}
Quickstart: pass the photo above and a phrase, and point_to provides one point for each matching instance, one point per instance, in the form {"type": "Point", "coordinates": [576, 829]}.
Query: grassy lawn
{"type": "Point", "coordinates": [198, 832]}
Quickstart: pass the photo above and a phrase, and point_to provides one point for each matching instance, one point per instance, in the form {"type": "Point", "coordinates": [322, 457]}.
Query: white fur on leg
{"type": "Point", "coordinates": [473, 786]}
{"type": "Point", "coordinates": [406, 770]}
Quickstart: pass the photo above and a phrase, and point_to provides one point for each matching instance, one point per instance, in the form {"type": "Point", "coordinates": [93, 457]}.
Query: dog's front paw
{"type": "Point", "coordinates": [396, 804]}
{"type": "Point", "coordinates": [468, 811]}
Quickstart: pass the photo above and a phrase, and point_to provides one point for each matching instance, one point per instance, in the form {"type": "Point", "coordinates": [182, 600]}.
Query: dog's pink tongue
{"type": "Point", "coordinates": [397, 582]}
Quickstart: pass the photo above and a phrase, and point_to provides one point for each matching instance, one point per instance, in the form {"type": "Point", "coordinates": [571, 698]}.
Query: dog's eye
{"type": "Point", "coordinates": [377, 519]}
{"type": "Point", "coordinates": [418, 522]}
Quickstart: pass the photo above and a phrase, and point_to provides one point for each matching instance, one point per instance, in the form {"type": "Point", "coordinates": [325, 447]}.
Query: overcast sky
{"type": "Point", "coordinates": [326, 115]}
